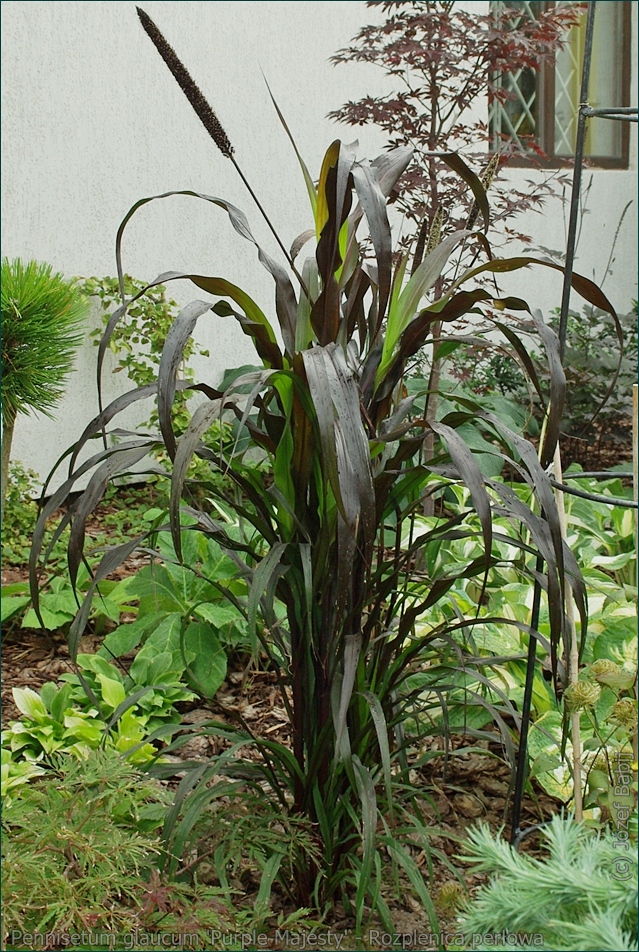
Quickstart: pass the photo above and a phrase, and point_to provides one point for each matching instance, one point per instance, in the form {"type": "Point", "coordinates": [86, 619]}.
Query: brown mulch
{"type": "Point", "coordinates": [458, 790]}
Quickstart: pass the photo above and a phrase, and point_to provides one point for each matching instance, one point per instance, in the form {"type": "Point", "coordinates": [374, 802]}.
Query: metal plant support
{"type": "Point", "coordinates": [585, 112]}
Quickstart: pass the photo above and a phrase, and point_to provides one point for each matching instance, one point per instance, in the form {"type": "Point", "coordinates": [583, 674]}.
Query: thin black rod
{"type": "Point", "coordinates": [576, 180]}
{"type": "Point", "coordinates": [522, 755]}
{"type": "Point", "coordinates": [611, 111]}
{"type": "Point", "coordinates": [596, 497]}
{"type": "Point", "coordinates": [627, 113]}
{"type": "Point", "coordinates": [600, 474]}
{"type": "Point", "coordinates": [618, 118]}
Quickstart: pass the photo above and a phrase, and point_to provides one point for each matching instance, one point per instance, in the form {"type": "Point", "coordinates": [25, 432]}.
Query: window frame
{"type": "Point", "coordinates": [546, 99]}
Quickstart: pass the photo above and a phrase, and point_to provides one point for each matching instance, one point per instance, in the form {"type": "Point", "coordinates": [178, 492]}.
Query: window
{"type": "Point", "coordinates": [543, 109]}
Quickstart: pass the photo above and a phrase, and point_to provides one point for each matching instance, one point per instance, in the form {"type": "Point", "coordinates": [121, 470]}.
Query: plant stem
{"type": "Point", "coordinates": [433, 399]}
{"type": "Point", "coordinates": [271, 226]}
{"type": "Point", "coordinates": [7, 439]}
{"type": "Point", "coordinates": [573, 666]}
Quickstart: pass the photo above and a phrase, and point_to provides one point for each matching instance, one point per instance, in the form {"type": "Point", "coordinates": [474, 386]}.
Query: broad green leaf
{"type": "Point", "coordinates": [52, 620]}
{"type": "Point", "coordinates": [619, 641]}
{"type": "Point", "coordinates": [108, 608]}
{"type": "Point", "coordinates": [216, 564]}
{"type": "Point", "coordinates": [63, 603]}
{"type": "Point", "coordinates": [611, 562]}
{"type": "Point", "coordinates": [12, 604]}
{"type": "Point", "coordinates": [545, 762]}
{"type": "Point", "coordinates": [464, 717]}
{"type": "Point", "coordinates": [29, 703]}
{"type": "Point", "coordinates": [130, 733]}
{"type": "Point", "coordinates": [622, 680]}
{"type": "Point", "coordinates": [112, 691]}
{"type": "Point", "coordinates": [166, 637]}
{"type": "Point", "coordinates": [164, 641]}
{"type": "Point", "coordinates": [126, 638]}
{"type": "Point", "coordinates": [48, 692]}
{"type": "Point", "coordinates": [158, 589]}
{"type": "Point", "coordinates": [207, 669]}
{"type": "Point", "coordinates": [161, 665]}
{"type": "Point", "coordinates": [218, 614]}
{"type": "Point", "coordinates": [81, 728]}
{"type": "Point", "coordinates": [16, 588]}
{"type": "Point", "coordinates": [545, 739]}
{"type": "Point", "coordinates": [92, 662]}
{"type": "Point", "coordinates": [61, 702]}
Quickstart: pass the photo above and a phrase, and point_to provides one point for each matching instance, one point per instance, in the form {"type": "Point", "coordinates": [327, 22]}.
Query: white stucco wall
{"type": "Point", "coordinates": [93, 121]}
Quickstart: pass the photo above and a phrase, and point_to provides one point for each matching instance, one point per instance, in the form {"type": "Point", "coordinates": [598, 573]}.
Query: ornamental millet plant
{"type": "Point", "coordinates": [322, 531]}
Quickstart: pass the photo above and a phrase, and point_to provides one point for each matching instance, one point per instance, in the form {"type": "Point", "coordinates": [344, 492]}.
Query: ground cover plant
{"type": "Point", "coordinates": [19, 514]}
{"type": "Point", "coordinates": [332, 565]}
{"type": "Point", "coordinates": [80, 856]}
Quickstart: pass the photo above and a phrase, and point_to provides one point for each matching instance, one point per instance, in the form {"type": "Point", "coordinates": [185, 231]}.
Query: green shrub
{"type": "Point", "coordinates": [81, 855]}
{"type": "Point", "coordinates": [593, 357]}
{"type": "Point", "coordinates": [76, 847]}
{"type": "Point", "coordinates": [42, 316]}
{"type": "Point", "coordinates": [19, 514]}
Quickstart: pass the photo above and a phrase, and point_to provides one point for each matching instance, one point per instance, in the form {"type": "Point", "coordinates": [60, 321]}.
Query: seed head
{"type": "Point", "coordinates": [188, 86]}
{"type": "Point", "coordinates": [435, 234]}
{"type": "Point", "coordinates": [486, 179]}
{"type": "Point", "coordinates": [488, 174]}
{"type": "Point", "coordinates": [624, 713]}
{"type": "Point", "coordinates": [582, 695]}
{"type": "Point", "coordinates": [602, 667]}
{"type": "Point", "coordinates": [451, 897]}
{"type": "Point", "coordinates": [600, 762]}
{"type": "Point", "coordinates": [607, 672]}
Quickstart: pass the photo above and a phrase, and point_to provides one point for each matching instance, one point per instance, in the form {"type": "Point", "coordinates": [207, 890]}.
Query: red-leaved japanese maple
{"type": "Point", "coordinates": [447, 64]}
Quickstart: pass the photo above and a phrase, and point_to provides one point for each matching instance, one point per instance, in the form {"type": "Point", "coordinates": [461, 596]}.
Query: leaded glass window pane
{"type": "Point", "coordinates": [544, 106]}
{"type": "Point", "coordinates": [518, 117]}
{"type": "Point", "coordinates": [603, 136]}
